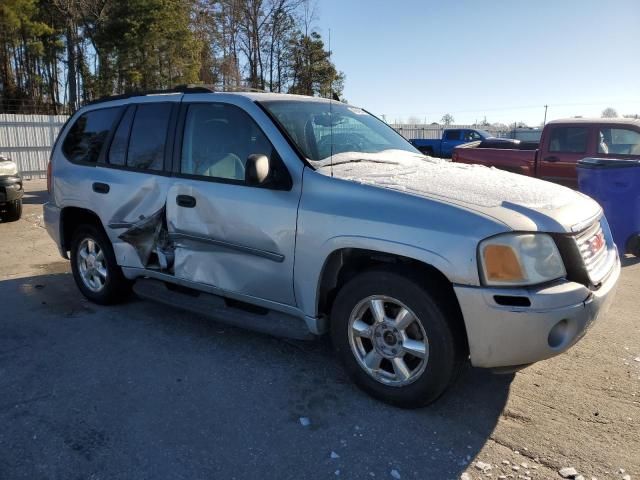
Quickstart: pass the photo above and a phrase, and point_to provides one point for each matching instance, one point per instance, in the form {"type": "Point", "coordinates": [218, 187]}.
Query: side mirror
{"type": "Point", "coordinates": [257, 170]}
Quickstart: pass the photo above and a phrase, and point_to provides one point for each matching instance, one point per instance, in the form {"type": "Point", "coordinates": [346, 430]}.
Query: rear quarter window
{"type": "Point", "coordinates": [87, 135]}
{"type": "Point", "coordinates": [569, 139]}
{"type": "Point", "coordinates": [452, 135]}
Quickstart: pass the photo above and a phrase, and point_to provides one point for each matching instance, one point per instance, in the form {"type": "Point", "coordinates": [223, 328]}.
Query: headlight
{"type": "Point", "coordinates": [517, 259]}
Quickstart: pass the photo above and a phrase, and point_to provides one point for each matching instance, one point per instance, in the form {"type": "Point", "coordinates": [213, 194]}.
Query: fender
{"type": "Point", "coordinates": [308, 285]}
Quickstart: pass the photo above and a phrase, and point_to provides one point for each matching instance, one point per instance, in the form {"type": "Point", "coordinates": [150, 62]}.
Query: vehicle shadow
{"type": "Point", "coordinates": [629, 260]}
{"type": "Point", "coordinates": [142, 390]}
{"type": "Point", "coordinates": [36, 197]}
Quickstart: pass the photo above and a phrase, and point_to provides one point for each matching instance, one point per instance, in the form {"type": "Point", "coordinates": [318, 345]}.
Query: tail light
{"type": "Point", "coordinates": [49, 179]}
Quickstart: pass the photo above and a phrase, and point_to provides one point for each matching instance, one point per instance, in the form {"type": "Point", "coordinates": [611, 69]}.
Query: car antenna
{"type": "Point", "coordinates": [330, 112]}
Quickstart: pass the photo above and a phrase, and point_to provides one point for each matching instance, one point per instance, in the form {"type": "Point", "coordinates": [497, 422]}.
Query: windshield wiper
{"type": "Point", "coordinates": [358, 160]}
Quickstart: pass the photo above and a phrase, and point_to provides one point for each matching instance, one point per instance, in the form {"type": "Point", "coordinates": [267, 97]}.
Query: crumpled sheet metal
{"type": "Point", "coordinates": [144, 234]}
{"type": "Point", "coordinates": [149, 197]}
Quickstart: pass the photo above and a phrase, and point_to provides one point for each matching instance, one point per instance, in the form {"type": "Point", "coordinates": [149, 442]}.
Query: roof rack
{"type": "Point", "coordinates": [142, 93]}
{"type": "Point", "coordinates": [186, 89]}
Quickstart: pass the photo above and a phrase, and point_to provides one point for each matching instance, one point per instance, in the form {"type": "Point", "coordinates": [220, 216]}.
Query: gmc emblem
{"type": "Point", "coordinates": [596, 243]}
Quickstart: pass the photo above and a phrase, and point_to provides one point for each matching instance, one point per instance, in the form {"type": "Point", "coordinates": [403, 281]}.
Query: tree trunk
{"type": "Point", "coordinates": [71, 66]}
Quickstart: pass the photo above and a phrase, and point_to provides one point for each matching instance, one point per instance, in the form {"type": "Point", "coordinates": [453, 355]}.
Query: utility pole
{"type": "Point", "coordinates": [545, 115]}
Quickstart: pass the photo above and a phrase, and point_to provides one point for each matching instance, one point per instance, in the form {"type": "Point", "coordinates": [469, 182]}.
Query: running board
{"type": "Point", "coordinates": [230, 312]}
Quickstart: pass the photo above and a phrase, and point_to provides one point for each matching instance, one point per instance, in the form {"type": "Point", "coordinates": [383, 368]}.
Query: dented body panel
{"type": "Point", "coordinates": [234, 241]}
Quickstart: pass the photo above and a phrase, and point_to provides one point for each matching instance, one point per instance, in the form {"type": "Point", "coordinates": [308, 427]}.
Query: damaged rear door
{"type": "Point", "coordinates": [129, 188]}
{"type": "Point", "coordinates": [227, 234]}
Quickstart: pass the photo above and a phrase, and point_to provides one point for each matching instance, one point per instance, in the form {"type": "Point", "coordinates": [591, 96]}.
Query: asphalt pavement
{"type": "Point", "coordinates": [142, 391]}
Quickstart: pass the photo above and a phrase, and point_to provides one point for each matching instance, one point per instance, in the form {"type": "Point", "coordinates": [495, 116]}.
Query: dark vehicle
{"type": "Point", "coordinates": [451, 138]}
{"type": "Point", "coordinates": [563, 144]}
{"type": "Point", "coordinates": [11, 191]}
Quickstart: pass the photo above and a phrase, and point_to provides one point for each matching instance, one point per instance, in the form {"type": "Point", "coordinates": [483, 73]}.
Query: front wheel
{"type": "Point", "coordinates": [94, 267]}
{"type": "Point", "coordinates": [394, 339]}
{"type": "Point", "coordinates": [633, 245]}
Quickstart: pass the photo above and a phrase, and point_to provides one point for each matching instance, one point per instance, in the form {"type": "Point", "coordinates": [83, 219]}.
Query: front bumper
{"type": "Point", "coordinates": [504, 336]}
{"type": "Point", "coordinates": [10, 188]}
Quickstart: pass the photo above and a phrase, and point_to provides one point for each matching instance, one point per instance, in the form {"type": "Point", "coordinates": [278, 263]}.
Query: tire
{"type": "Point", "coordinates": [633, 245]}
{"type": "Point", "coordinates": [99, 277]}
{"type": "Point", "coordinates": [13, 211]}
{"type": "Point", "coordinates": [428, 377]}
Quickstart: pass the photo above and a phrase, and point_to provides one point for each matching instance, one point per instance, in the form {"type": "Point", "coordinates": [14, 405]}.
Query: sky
{"type": "Point", "coordinates": [499, 59]}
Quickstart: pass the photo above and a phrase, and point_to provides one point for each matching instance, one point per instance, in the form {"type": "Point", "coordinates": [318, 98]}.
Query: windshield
{"type": "Point", "coordinates": [484, 133]}
{"type": "Point", "coordinates": [346, 130]}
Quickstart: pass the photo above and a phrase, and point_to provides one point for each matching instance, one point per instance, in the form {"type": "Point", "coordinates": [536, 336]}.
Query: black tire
{"type": "Point", "coordinates": [444, 358]}
{"type": "Point", "coordinates": [116, 288]}
{"type": "Point", "coordinates": [633, 245]}
{"type": "Point", "coordinates": [13, 211]}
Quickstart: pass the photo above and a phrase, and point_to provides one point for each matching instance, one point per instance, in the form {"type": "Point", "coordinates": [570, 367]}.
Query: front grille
{"type": "Point", "coordinates": [596, 251]}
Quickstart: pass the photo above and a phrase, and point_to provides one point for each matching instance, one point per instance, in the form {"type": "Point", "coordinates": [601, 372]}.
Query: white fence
{"type": "Point", "coordinates": [27, 139]}
{"type": "Point", "coordinates": [411, 132]}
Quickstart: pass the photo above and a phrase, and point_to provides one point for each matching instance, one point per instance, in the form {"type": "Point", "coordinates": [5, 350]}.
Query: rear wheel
{"type": "Point", "coordinates": [94, 267]}
{"type": "Point", "coordinates": [13, 211]}
{"type": "Point", "coordinates": [394, 339]}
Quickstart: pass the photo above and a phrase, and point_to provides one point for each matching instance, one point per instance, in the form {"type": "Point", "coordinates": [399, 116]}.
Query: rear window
{"type": "Point", "coordinates": [87, 135]}
{"type": "Point", "coordinates": [569, 139]}
{"type": "Point", "coordinates": [148, 136]}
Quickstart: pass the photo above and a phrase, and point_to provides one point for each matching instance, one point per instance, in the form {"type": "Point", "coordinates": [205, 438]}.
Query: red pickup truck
{"type": "Point", "coordinates": [562, 144]}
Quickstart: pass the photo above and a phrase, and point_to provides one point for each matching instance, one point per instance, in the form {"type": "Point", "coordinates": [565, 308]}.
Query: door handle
{"type": "Point", "coordinates": [551, 159]}
{"type": "Point", "coordinates": [99, 187]}
{"type": "Point", "coordinates": [186, 201]}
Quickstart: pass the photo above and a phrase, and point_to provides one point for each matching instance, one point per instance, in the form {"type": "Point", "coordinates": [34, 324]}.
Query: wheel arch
{"type": "Point", "coordinates": [343, 264]}
{"type": "Point", "coordinates": [70, 219]}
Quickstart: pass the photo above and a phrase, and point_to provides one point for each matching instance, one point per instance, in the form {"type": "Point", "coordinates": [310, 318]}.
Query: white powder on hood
{"type": "Point", "coordinates": [472, 184]}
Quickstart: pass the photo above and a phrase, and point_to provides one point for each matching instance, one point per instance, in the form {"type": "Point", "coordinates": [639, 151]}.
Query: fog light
{"type": "Point", "coordinates": [558, 334]}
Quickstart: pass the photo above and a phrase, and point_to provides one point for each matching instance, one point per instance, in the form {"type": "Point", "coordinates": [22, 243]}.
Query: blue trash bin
{"type": "Point", "coordinates": [615, 185]}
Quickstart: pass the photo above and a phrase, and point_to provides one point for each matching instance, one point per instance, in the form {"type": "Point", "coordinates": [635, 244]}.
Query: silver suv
{"type": "Point", "coordinates": [300, 216]}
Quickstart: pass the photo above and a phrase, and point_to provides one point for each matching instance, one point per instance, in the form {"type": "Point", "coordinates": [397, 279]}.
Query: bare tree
{"type": "Point", "coordinates": [609, 113]}
{"type": "Point", "coordinates": [447, 119]}
{"type": "Point", "coordinates": [309, 15]}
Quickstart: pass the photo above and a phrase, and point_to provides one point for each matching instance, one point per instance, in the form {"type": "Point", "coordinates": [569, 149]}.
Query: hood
{"type": "Point", "coordinates": [7, 167]}
{"type": "Point", "coordinates": [522, 203]}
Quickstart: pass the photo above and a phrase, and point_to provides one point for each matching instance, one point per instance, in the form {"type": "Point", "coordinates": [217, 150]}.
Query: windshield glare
{"type": "Point", "coordinates": [319, 133]}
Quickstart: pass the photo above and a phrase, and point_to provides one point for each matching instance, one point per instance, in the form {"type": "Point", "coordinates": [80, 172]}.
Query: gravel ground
{"type": "Point", "coordinates": [143, 391]}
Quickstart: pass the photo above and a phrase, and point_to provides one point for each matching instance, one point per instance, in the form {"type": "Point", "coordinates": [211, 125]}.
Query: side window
{"type": "Point", "coordinates": [217, 140]}
{"type": "Point", "coordinates": [471, 136]}
{"type": "Point", "coordinates": [569, 139]}
{"type": "Point", "coordinates": [149, 136]}
{"type": "Point", "coordinates": [619, 141]}
{"type": "Point", "coordinates": [87, 135]}
{"type": "Point", "coordinates": [452, 135]}
{"type": "Point", "coordinates": [118, 149]}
